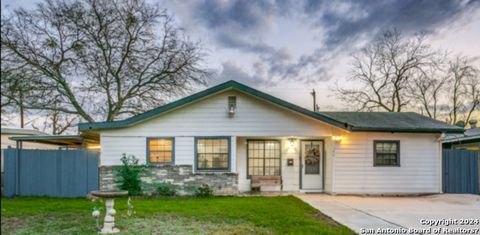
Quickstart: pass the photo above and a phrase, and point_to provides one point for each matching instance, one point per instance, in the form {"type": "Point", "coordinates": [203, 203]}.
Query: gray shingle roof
{"type": "Point", "coordinates": [390, 121]}
{"type": "Point", "coordinates": [470, 134]}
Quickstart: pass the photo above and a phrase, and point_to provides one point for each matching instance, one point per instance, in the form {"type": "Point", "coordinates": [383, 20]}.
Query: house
{"type": "Point", "coordinates": [230, 133]}
{"type": "Point", "coordinates": [8, 132]}
{"type": "Point", "coordinates": [470, 140]}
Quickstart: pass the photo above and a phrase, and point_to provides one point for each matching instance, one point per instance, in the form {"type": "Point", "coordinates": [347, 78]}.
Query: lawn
{"type": "Point", "coordinates": [218, 215]}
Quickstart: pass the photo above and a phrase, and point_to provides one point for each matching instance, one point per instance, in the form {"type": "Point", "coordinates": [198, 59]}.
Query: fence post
{"type": "Point", "coordinates": [17, 167]}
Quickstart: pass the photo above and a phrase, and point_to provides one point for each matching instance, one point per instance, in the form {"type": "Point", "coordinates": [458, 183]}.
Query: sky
{"type": "Point", "coordinates": [287, 48]}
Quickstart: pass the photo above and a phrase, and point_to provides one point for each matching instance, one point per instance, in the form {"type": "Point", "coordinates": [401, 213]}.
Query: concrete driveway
{"type": "Point", "coordinates": [436, 214]}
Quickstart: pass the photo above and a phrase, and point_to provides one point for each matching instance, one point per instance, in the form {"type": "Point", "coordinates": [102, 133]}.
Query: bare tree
{"type": "Point", "coordinates": [384, 70]}
{"type": "Point", "coordinates": [99, 59]}
{"type": "Point", "coordinates": [16, 90]}
{"type": "Point", "coordinates": [428, 88]}
{"type": "Point", "coordinates": [57, 123]}
{"type": "Point", "coordinates": [463, 90]}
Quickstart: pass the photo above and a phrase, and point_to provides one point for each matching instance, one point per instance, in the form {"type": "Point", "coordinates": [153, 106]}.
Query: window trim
{"type": "Point", "coordinates": [195, 157]}
{"type": "Point", "coordinates": [281, 150]}
{"type": "Point", "coordinates": [148, 151]}
{"type": "Point", "coordinates": [375, 164]}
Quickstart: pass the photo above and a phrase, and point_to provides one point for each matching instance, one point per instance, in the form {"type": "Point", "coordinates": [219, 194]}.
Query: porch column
{"type": "Point", "coordinates": [233, 154]}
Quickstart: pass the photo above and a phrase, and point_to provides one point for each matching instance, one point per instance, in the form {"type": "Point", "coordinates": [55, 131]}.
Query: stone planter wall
{"type": "Point", "coordinates": [181, 176]}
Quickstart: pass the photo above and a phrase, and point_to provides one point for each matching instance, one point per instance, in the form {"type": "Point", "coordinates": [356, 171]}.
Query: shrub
{"type": "Point", "coordinates": [204, 191]}
{"type": "Point", "coordinates": [129, 174]}
{"type": "Point", "coordinates": [166, 189]}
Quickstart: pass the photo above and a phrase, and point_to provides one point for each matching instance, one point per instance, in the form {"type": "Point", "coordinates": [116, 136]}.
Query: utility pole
{"type": "Point", "coordinates": [315, 106]}
{"type": "Point", "coordinates": [22, 119]}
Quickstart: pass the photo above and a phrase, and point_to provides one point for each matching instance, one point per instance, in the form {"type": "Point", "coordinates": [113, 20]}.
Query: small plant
{"type": "Point", "coordinates": [130, 211]}
{"type": "Point", "coordinates": [96, 211]}
{"type": "Point", "coordinates": [129, 174]}
{"type": "Point", "coordinates": [166, 189]}
{"type": "Point", "coordinates": [204, 191]}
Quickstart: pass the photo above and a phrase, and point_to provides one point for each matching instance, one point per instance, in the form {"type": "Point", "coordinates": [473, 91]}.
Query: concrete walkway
{"type": "Point", "coordinates": [408, 215]}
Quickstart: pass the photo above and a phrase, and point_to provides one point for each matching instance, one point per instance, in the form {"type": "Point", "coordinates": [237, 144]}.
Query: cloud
{"type": "Point", "coordinates": [351, 19]}
{"type": "Point", "coordinates": [349, 22]}
{"type": "Point", "coordinates": [339, 26]}
{"type": "Point", "coordinates": [230, 71]}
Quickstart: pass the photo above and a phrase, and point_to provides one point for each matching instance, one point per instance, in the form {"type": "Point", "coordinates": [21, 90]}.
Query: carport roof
{"type": "Point", "coordinates": [20, 131]}
{"type": "Point", "coordinates": [68, 140]}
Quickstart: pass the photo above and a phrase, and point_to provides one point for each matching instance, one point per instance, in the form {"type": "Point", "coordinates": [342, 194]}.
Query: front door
{"type": "Point", "coordinates": [311, 164]}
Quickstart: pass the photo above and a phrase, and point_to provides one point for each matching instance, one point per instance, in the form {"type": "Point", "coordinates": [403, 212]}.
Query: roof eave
{"type": "Point", "coordinates": [407, 130]}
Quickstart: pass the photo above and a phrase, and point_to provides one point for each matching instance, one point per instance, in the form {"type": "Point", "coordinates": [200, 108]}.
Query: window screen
{"type": "Point", "coordinates": [212, 154]}
{"type": "Point", "coordinates": [263, 157]}
{"type": "Point", "coordinates": [160, 150]}
{"type": "Point", "coordinates": [387, 153]}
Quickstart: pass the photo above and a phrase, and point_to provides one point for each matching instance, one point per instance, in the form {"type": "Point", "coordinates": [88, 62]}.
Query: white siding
{"type": "Point", "coordinates": [243, 182]}
{"type": "Point", "coordinates": [209, 117]}
{"type": "Point", "coordinates": [114, 147]}
{"type": "Point", "coordinates": [419, 170]}
{"type": "Point", "coordinates": [184, 148]}
{"type": "Point", "coordinates": [328, 165]}
{"type": "Point", "coordinates": [290, 174]}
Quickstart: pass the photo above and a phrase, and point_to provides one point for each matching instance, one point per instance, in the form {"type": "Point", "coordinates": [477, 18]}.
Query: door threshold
{"type": "Point", "coordinates": [311, 190]}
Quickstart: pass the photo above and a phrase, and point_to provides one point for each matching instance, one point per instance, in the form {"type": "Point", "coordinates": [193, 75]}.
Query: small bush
{"type": "Point", "coordinates": [166, 189]}
{"type": "Point", "coordinates": [129, 174]}
{"type": "Point", "coordinates": [204, 191]}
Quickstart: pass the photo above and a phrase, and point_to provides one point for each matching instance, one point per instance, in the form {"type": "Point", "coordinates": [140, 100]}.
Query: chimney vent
{"type": "Point", "coordinates": [473, 123]}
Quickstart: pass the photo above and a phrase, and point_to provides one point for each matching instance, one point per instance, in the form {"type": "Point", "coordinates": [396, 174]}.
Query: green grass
{"type": "Point", "coordinates": [218, 215]}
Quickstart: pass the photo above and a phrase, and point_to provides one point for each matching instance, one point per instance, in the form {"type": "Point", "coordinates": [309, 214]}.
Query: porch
{"type": "Point", "coordinates": [301, 163]}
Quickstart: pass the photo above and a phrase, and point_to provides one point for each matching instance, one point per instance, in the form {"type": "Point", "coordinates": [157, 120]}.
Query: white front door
{"type": "Point", "coordinates": [311, 163]}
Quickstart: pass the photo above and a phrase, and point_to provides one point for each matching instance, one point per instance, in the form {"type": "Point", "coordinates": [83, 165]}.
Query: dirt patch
{"type": "Point", "coordinates": [171, 224]}
{"type": "Point", "coordinates": [12, 223]}
{"type": "Point", "coordinates": [327, 219]}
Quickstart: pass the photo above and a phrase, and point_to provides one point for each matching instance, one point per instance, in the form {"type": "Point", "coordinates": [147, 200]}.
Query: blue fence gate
{"type": "Point", "coordinates": [461, 171]}
{"type": "Point", "coordinates": [55, 173]}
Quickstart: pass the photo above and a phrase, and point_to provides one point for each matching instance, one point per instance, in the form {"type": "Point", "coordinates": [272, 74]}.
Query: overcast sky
{"type": "Point", "coordinates": [286, 48]}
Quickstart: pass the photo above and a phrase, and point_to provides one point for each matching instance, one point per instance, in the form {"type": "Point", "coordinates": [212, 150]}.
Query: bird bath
{"type": "Point", "coordinates": [109, 222]}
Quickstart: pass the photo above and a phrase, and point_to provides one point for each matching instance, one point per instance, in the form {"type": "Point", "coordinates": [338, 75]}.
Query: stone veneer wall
{"type": "Point", "coordinates": [182, 176]}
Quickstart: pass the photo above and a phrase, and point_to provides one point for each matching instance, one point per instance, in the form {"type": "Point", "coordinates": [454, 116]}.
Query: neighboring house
{"type": "Point", "coordinates": [7, 132]}
{"type": "Point", "coordinates": [227, 134]}
{"type": "Point", "coordinates": [470, 140]}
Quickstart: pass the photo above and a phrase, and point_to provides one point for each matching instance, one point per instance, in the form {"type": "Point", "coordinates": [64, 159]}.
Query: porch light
{"type": "Point", "coordinates": [291, 143]}
{"type": "Point", "coordinates": [94, 147]}
{"type": "Point", "coordinates": [337, 138]}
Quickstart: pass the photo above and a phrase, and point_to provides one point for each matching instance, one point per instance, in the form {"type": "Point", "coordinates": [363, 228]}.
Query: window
{"type": "Point", "coordinates": [387, 153]}
{"type": "Point", "coordinates": [312, 157]}
{"type": "Point", "coordinates": [263, 157]}
{"type": "Point", "coordinates": [232, 102]}
{"type": "Point", "coordinates": [212, 153]}
{"type": "Point", "coordinates": [160, 150]}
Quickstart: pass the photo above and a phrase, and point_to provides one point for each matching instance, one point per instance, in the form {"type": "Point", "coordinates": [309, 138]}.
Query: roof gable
{"type": "Point", "coordinates": [203, 94]}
